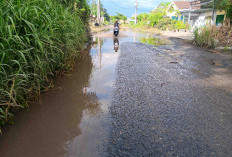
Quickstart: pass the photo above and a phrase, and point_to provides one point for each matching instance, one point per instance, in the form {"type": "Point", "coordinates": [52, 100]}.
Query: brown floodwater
{"type": "Point", "coordinates": [71, 120]}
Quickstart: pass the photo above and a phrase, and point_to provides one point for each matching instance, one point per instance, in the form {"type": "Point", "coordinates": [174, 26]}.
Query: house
{"type": "Point", "coordinates": [191, 12]}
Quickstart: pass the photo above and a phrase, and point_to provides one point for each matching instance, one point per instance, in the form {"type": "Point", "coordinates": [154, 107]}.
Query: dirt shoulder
{"type": "Point", "coordinates": [180, 35]}
{"type": "Point", "coordinates": [95, 29]}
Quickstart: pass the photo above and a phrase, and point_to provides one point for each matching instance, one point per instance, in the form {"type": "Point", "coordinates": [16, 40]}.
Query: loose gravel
{"type": "Point", "coordinates": [162, 108]}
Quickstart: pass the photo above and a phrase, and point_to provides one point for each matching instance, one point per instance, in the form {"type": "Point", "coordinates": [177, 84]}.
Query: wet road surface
{"type": "Point", "coordinates": [126, 98]}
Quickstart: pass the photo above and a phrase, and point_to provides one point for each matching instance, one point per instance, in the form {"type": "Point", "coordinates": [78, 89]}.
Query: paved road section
{"type": "Point", "coordinates": [162, 106]}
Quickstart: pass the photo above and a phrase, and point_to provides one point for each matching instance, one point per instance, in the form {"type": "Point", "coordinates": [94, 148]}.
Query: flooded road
{"type": "Point", "coordinates": [134, 95]}
{"type": "Point", "coordinates": [71, 120]}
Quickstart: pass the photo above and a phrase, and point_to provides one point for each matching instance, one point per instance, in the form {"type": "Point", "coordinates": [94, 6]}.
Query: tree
{"type": "Point", "coordinates": [119, 16]}
{"type": "Point", "coordinates": [142, 17]}
{"type": "Point", "coordinates": [155, 17]}
{"type": "Point", "coordinates": [162, 7]}
{"type": "Point", "coordinates": [220, 4]}
{"type": "Point", "coordinates": [104, 12]}
{"type": "Point", "coordinates": [227, 5]}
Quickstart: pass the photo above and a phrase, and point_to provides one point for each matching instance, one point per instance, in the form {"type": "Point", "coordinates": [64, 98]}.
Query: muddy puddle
{"type": "Point", "coordinates": [155, 41]}
{"type": "Point", "coordinates": [71, 120]}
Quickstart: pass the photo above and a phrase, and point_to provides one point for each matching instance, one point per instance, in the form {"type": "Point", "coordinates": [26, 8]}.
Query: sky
{"type": "Point", "coordinates": [127, 7]}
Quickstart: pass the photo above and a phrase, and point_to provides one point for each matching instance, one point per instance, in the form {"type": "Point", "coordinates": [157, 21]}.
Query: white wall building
{"type": "Point", "coordinates": [191, 12]}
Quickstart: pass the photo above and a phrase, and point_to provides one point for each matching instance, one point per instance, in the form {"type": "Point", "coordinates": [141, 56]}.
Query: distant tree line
{"type": "Point", "coordinates": [104, 12]}
{"type": "Point", "coordinates": [118, 17]}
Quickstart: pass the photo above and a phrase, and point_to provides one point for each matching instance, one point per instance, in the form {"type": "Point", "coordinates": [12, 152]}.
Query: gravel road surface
{"type": "Point", "coordinates": [163, 107]}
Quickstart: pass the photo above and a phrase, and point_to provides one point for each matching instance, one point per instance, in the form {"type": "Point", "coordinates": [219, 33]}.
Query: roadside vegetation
{"type": "Point", "coordinates": [212, 36]}
{"type": "Point", "coordinates": [207, 36]}
{"type": "Point", "coordinates": [119, 17]}
{"type": "Point", "coordinates": [104, 13]}
{"type": "Point", "coordinates": [38, 40]}
{"type": "Point", "coordinates": [158, 19]}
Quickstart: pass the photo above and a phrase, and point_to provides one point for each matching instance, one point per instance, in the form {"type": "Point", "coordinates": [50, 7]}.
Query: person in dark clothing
{"type": "Point", "coordinates": [116, 24]}
{"type": "Point", "coordinates": [116, 28]}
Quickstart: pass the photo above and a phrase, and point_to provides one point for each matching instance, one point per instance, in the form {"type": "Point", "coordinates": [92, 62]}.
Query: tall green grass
{"type": "Point", "coordinates": [37, 41]}
{"type": "Point", "coordinates": [205, 37]}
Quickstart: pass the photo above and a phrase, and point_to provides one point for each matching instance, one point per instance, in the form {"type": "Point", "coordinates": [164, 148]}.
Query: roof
{"type": "Point", "coordinates": [182, 4]}
{"type": "Point", "coordinates": [185, 5]}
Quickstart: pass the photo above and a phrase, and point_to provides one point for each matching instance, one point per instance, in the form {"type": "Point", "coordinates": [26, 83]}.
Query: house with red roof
{"type": "Point", "coordinates": [192, 13]}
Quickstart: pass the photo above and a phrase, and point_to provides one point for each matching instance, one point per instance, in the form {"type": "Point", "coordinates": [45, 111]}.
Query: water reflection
{"type": "Point", "coordinates": [100, 42]}
{"type": "Point", "coordinates": [154, 41]}
{"type": "Point", "coordinates": [94, 128]}
{"type": "Point", "coordinates": [116, 44]}
{"type": "Point", "coordinates": [97, 45]}
{"type": "Point", "coordinates": [71, 121]}
{"type": "Point", "coordinates": [43, 130]}
{"type": "Point", "coordinates": [92, 105]}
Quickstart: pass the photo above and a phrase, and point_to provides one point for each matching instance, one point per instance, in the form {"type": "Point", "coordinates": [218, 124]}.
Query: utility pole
{"type": "Point", "coordinates": [213, 13]}
{"type": "Point", "coordinates": [136, 7]}
{"type": "Point", "coordinates": [98, 13]}
{"type": "Point", "coordinates": [189, 17]}
{"type": "Point", "coordinates": [93, 12]}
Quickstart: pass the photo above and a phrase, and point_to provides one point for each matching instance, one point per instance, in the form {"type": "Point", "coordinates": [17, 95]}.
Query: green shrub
{"type": "Point", "coordinates": [180, 25]}
{"type": "Point", "coordinates": [132, 22]}
{"type": "Point", "coordinates": [204, 37]}
{"type": "Point", "coordinates": [164, 23]}
{"type": "Point", "coordinates": [141, 24]}
{"type": "Point", "coordinates": [154, 18]}
{"type": "Point", "coordinates": [37, 40]}
{"type": "Point", "coordinates": [167, 23]}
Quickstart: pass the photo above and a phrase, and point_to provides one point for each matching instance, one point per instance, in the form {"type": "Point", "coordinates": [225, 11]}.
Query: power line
{"type": "Point", "coordinates": [119, 5]}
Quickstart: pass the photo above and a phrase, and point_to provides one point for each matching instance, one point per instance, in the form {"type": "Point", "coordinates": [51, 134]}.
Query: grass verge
{"type": "Point", "coordinates": [212, 36]}
{"type": "Point", "coordinates": [38, 40]}
{"type": "Point", "coordinates": [142, 28]}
